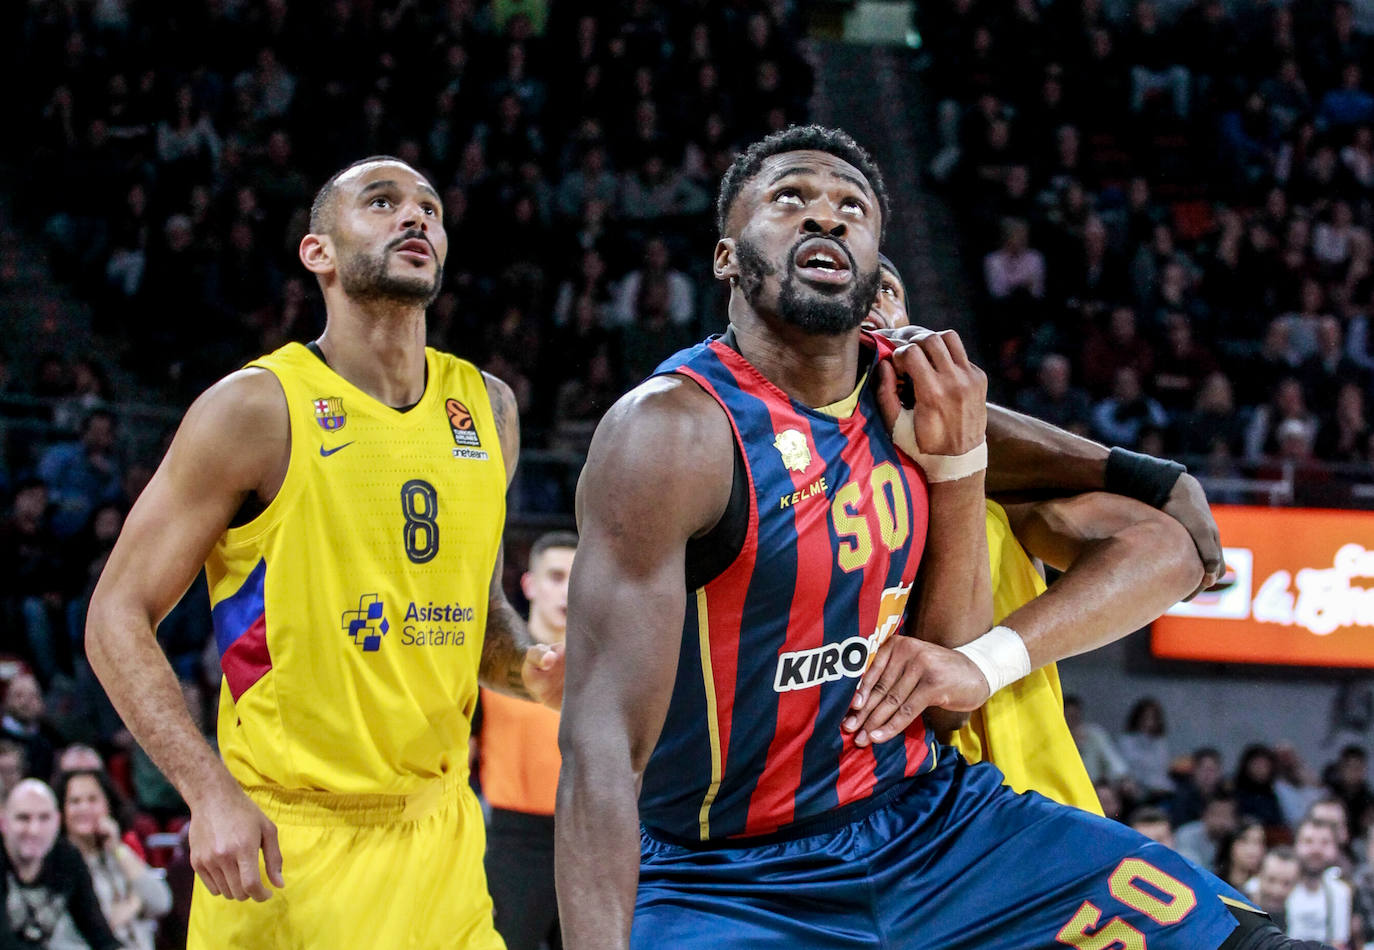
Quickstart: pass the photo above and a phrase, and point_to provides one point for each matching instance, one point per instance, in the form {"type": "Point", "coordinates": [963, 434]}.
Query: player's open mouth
{"type": "Point", "coordinates": [822, 261]}
{"type": "Point", "coordinates": [415, 249]}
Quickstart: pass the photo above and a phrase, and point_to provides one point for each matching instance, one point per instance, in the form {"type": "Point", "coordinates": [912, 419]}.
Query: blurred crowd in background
{"type": "Point", "coordinates": [1167, 214]}
{"type": "Point", "coordinates": [1168, 206]}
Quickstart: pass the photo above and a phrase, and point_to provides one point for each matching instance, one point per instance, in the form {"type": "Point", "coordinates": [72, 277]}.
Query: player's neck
{"type": "Point", "coordinates": [379, 349]}
{"type": "Point", "coordinates": [814, 369]}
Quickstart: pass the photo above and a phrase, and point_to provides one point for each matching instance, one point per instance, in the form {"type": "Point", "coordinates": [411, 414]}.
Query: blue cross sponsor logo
{"type": "Point", "coordinates": [363, 626]}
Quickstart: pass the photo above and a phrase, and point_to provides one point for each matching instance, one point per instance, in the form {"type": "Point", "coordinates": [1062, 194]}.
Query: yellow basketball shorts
{"type": "Point", "coordinates": [374, 871]}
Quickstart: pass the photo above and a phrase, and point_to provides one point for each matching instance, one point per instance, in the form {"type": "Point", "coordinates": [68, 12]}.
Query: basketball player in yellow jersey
{"type": "Point", "coordinates": [1125, 563]}
{"type": "Point", "coordinates": [347, 500]}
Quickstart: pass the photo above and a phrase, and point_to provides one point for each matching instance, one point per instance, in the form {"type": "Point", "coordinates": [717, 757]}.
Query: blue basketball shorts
{"type": "Point", "coordinates": [949, 860]}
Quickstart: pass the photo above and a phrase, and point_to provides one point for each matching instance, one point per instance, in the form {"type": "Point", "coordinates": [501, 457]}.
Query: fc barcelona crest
{"type": "Point", "coordinates": [329, 413]}
{"type": "Point", "coordinates": [791, 445]}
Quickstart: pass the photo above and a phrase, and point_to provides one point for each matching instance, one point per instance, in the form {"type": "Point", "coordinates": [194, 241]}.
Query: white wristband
{"type": "Point", "coordinates": [1000, 655]}
{"type": "Point", "coordinates": [938, 468]}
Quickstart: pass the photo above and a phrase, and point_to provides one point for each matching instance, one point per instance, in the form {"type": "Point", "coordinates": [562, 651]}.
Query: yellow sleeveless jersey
{"type": "Point", "coordinates": [350, 613]}
{"type": "Point", "coordinates": [1021, 728]}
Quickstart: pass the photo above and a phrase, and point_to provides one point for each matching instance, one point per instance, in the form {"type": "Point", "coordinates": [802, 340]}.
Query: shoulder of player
{"type": "Point", "coordinates": [249, 401]}
{"type": "Point", "coordinates": [665, 439]}
{"type": "Point", "coordinates": [239, 424]}
{"type": "Point", "coordinates": [505, 409]}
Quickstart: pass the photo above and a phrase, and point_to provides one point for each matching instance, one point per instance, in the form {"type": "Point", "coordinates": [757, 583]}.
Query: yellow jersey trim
{"type": "Point", "coordinates": [712, 723]}
{"type": "Point", "coordinates": [846, 406]}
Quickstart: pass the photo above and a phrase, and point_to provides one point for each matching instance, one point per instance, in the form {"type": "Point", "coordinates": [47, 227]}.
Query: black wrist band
{"type": "Point", "coordinates": [1142, 477]}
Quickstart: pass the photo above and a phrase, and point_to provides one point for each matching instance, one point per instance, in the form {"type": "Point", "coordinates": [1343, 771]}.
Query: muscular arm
{"type": "Point", "coordinates": [233, 443]}
{"type": "Point", "coordinates": [625, 609]}
{"type": "Point", "coordinates": [1125, 564]}
{"type": "Point", "coordinates": [506, 641]}
{"type": "Point", "coordinates": [1028, 455]}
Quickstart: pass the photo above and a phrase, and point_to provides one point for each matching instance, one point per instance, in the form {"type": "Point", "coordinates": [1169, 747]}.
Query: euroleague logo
{"type": "Point", "coordinates": [464, 429]}
{"type": "Point", "coordinates": [460, 421]}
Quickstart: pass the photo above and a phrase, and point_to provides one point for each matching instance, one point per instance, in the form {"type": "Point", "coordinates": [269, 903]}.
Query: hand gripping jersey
{"type": "Point", "coordinates": [773, 647]}
{"type": "Point", "coordinates": [350, 613]}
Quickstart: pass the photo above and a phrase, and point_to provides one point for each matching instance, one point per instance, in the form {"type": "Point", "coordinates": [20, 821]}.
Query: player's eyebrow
{"type": "Point", "coordinates": [804, 170]}
{"type": "Point", "coordinates": [383, 183]}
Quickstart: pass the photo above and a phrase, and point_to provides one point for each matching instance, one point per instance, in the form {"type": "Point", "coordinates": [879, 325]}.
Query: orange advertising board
{"type": "Point", "coordinates": [1303, 592]}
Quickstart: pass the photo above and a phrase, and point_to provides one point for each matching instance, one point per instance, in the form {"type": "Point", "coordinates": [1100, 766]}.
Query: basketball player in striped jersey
{"type": "Point", "coordinates": [750, 536]}
{"type": "Point", "coordinates": [346, 499]}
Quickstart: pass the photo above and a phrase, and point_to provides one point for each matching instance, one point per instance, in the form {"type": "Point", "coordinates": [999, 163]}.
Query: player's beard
{"type": "Point", "coordinates": [365, 276]}
{"type": "Point", "coordinates": [808, 311]}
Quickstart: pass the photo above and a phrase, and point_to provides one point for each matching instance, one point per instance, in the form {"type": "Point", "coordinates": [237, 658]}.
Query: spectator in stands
{"type": "Point", "coordinates": [1240, 853]}
{"type": "Point", "coordinates": [132, 895]}
{"type": "Point", "coordinates": [1203, 781]}
{"type": "Point", "coordinates": [1296, 784]}
{"type": "Point", "coordinates": [13, 765]}
{"type": "Point", "coordinates": [1278, 875]}
{"type": "Point", "coordinates": [80, 475]}
{"type": "Point", "coordinates": [655, 289]}
{"type": "Point", "coordinates": [1331, 811]}
{"type": "Point", "coordinates": [1109, 798]}
{"type": "Point", "coordinates": [1200, 840]}
{"type": "Point", "coordinates": [1103, 762]}
{"type": "Point", "coordinates": [1056, 399]}
{"type": "Point", "coordinates": [1122, 416]}
{"type": "Point", "coordinates": [1213, 420]}
{"type": "Point", "coordinates": [1348, 779]}
{"type": "Point", "coordinates": [1154, 61]}
{"type": "Point", "coordinates": [1181, 365]}
{"type": "Point", "coordinates": [656, 190]}
{"type": "Point", "coordinates": [25, 722]}
{"type": "Point", "coordinates": [1320, 906]}
{"type": "Point", "coordinates": [1117, 345]}
{"type": "Point", "coordinates": [1254, 785]}
{"type": "Point", "coordinates": [1344, 436]}
{"type": "Point", "coordinates": [1016, 268]}
{"type": "Point", "coordinates": [33, 572]}
{"type": "Point", "coordinates": [1349, 104]}
{"type": "Point", "coordinates": [46, 890]}
{"type": "Point", "coordinates": [1289, 404]}
{"type": "Point", "coordinates": [1328, 366]}
{"type": "Point", "coordinates": [78, 758]}
{"type": "Point", "coordinates": [1153, 823]}
{"type": "Point", "coordinates": [1145, 747]}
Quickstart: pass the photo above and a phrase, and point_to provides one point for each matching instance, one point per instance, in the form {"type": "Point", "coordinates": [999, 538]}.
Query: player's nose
{"type": "Point", "coordinates": [823, 220]}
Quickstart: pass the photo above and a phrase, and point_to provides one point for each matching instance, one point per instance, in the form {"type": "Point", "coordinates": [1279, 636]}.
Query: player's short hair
{"type": "Point", "coordinates": [798, 138]}
{"type": "Point", "coordinates": [1147, 815]}
{"type": "Point", "coordinates": [552, 539]}
{"type": "Point", "coordinates": [321, 217]}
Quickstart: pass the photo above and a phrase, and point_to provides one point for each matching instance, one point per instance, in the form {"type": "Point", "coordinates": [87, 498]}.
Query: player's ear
{"type": "Point", "coordinates": [527, 584]}
{"type": "Point", "coordinates": [726, 263]}
{"type": "Point", "coordinates": [317, 253]}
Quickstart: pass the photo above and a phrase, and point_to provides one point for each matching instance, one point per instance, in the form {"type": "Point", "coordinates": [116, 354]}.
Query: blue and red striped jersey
{"type": "Point", "coordinates": [774, 646]}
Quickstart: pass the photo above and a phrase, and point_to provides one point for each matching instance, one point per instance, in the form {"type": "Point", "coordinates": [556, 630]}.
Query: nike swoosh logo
{"type": "Point", "coordinates": [325, 453]}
